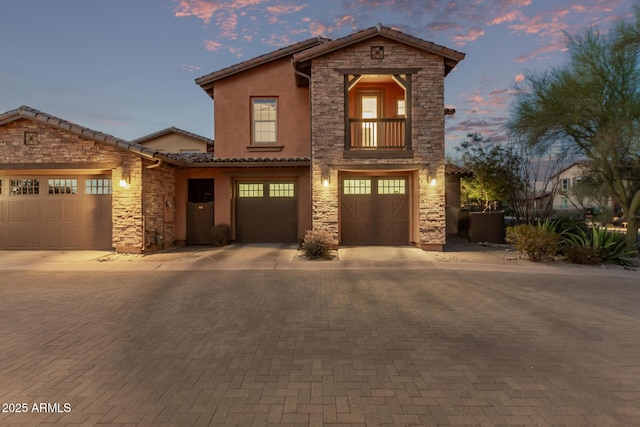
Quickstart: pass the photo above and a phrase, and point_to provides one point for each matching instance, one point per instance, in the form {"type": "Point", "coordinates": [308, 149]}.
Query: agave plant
{"type": "Point", "coordinates": [608, 246]}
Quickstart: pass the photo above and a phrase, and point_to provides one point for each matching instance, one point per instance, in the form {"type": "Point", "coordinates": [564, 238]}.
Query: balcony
{"type": "Point", "coordinates": [377, 138]}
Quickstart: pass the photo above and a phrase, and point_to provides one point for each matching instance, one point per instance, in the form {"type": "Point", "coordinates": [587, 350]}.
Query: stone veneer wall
{"type": "Point", "coordinates": [55, 146]}
{"type": "Point", "coordinates": [427, 133]}
{"type": "Point", "coordinates": [159, 188]}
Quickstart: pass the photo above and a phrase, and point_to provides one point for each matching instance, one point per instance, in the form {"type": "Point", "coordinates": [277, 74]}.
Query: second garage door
{"type": "Point", "coordinates": [266, 212]}
{"type": "Point", "coordinates": [61, 212]}
{"type": "Point", "coordinates": [374, 210]}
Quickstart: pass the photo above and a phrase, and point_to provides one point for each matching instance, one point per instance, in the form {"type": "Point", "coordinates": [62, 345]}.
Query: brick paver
{"type": "Point", "coordinates": [344, 347]}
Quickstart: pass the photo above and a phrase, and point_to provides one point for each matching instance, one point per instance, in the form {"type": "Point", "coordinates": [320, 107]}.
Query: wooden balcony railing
{"type": "Point", "coordinates": [376, 134]}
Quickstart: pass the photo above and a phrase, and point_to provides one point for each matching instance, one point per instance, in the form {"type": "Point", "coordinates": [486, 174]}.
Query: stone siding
{"type": "Point", "coordinates": [159, 206]}
{"type": "Point", "coordinates": [427, 133]}
{"type": "Point", "coordinates": [56, 149]}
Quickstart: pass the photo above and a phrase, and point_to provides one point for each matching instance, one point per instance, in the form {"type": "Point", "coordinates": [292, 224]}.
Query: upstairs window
{"type": "Point", "coordinates": [264, 118]}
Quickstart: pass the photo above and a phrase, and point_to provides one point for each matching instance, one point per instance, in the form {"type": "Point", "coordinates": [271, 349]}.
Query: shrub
{"type": "Point", "coordinates": [221, 234]}
{"type": "Point", "coordinates": [540, 242]}
{"type": "Point", "coordinates": [578, 254]}
{"type": "Point", "coordinates": [317, 244]}
{"type": "Point", "coordinates": [610, 246]}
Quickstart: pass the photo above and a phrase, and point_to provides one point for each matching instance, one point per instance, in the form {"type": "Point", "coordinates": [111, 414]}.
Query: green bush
{"type": "Point", "coordinates": [610, 246]}
{"type": "Point", "coordinates": [540, 242]}
{"type": "Point", "coordinates": [317, 244]}
{"type": "Point", "coordinates": [578, 254]}
{"type": "Point", "coordinates": [221, 234]}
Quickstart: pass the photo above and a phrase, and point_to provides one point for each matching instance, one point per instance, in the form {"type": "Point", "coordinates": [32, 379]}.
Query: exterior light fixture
{"type": "Point", "coordinates": [125, 180]}
{"type": "Point", "coordinates": [325, 176]}
{"type": "Point", "coordinates": [431, 175]}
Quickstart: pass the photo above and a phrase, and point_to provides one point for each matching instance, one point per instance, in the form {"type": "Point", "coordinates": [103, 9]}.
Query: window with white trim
{"type": "Point", "coordinates": [264, 120]}
{"type": "Point", "coordinates": [565, 184]}
{"type": "Point", "coordinates": [565, 203]}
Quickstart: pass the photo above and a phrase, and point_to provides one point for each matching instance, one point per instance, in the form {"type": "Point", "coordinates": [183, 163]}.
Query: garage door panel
{"type": "Point", "coordinates": [378, 214]}
{"type": "Point", "coordinates": [52, 212]}
{"type": "Point", "coordinates": [51, 236]}
{"type": "Point", "coordinates": [31, 238]}
{"type": "Point", "coordinates": [59, 219]}
{"type": "Point", "coordinates": [266, 212]}
{"type": "Point", "coordinates": [72, 237]}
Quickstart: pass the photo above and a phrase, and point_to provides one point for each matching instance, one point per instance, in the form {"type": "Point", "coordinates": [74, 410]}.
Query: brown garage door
{"type": "Point", "coordinates": [374, 211]}
{"type": "Point", "coordinates": [266, 212]}
{"type": "Point", "coordinates": [55, 212]}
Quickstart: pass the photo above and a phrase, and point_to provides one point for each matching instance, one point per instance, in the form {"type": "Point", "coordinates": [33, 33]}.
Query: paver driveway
{"type": "Point", "coordinates": [417, 347]}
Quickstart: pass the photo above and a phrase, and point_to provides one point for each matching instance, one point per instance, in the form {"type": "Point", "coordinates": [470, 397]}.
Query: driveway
{"type": "Point", "coordinates": [312, 347]}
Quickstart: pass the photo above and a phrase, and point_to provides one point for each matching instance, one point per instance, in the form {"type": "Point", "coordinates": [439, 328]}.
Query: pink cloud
{"type": "Point", "coordinates": [519, 78]}
{"type": "Point", "coordinates": [189, 68]}
{"type": "Point", "coordinates": [472, 35]}
{"type": "Point", "coordinates": [550, 48]}
{"type": "Point", "coordinates": [211, 45]}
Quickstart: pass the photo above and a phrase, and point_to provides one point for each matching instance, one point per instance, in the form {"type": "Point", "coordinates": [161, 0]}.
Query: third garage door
{"type": "Point", "coordinates": [374, 210]}
{"type": "Point", "coordinates": [266, 212]}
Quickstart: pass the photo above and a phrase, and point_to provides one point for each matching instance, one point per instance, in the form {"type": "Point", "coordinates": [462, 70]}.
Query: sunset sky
{"type": "Point", "coordinates": [127, 67]}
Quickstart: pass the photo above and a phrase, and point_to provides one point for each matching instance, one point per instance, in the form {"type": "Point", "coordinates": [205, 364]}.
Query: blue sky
{"type": "Point", "coordinates": [127, 67]}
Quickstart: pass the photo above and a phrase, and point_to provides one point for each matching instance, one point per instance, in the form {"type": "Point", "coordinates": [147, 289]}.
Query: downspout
{"type": "Point", "coordinates": [308, 77]}
{"type": "Point", "coordinates": [144, 207]}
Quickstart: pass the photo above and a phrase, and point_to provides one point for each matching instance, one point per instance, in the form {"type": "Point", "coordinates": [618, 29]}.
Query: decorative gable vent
{"type": "Point", "coordinates": [377, 52]}
{"type": "Point", "coordinates": [30, 138]}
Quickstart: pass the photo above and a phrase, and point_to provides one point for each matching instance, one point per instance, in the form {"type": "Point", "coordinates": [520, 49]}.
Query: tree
{"type": "Point", "coordinates": [493, 169]}
{"type": "Point", "coordinates": [591, 107]}
{"type": "Point", "coordinates": [508, 173]}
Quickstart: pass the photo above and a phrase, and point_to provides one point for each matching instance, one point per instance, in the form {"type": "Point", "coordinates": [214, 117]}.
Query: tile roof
{"type": "Point", "coordinates": [25, 112]}
{"type": "Point", "coordinates": [452, 57]}
{"type": "Point", "coordinates": [206, 82]}
{"type": "Point", "coordinates": [167, 131]}
{"type": "Point", "coordinates": [451, 169]}
{"type": "Point", "coordinates": [208, 160]}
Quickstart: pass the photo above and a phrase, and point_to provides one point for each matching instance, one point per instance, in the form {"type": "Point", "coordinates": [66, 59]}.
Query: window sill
{"type": "Point", "coordinates": [264, 148]}
{"type": "Point", "coordinates": [378, 154]}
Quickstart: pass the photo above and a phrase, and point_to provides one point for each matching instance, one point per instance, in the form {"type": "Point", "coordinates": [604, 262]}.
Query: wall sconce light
{"type": "Point", "coordinates": [125, 181]}
{"type": "Point", "coordinates": [325, 176]}
{"type": "Point", "coordinates": [431, 175]}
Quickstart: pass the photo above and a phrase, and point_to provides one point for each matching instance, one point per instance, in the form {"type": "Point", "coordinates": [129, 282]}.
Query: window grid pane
{"type": "Point", "coordinates": [25, 186]}
{"type": "Point", "coordinates": [281, 190]}
{"type": "Point", "coordinates": [391, 186]}
{"type": "Point", "coordinates": [264, 120]}
{"type": "Point", "coordinates": [357, 186]}
{"type": "Point", "coordinates": [63, 186]}
{"type": "Point", "coordinates": [250, 190]}
{"type": "Point", "coordinates": [98, 186]}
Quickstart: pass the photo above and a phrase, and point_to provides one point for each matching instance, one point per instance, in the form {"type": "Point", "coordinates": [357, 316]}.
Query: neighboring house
{"type": "Point", "coordinates": [345, 136]}
{"type": "Point", "coordinates": [174, 140]}
{"type": "Point", "coordinates": [571, 197]}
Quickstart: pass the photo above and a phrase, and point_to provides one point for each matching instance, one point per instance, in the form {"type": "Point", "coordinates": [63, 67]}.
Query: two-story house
{"type": "Point", "coordinates": [345, 136]}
